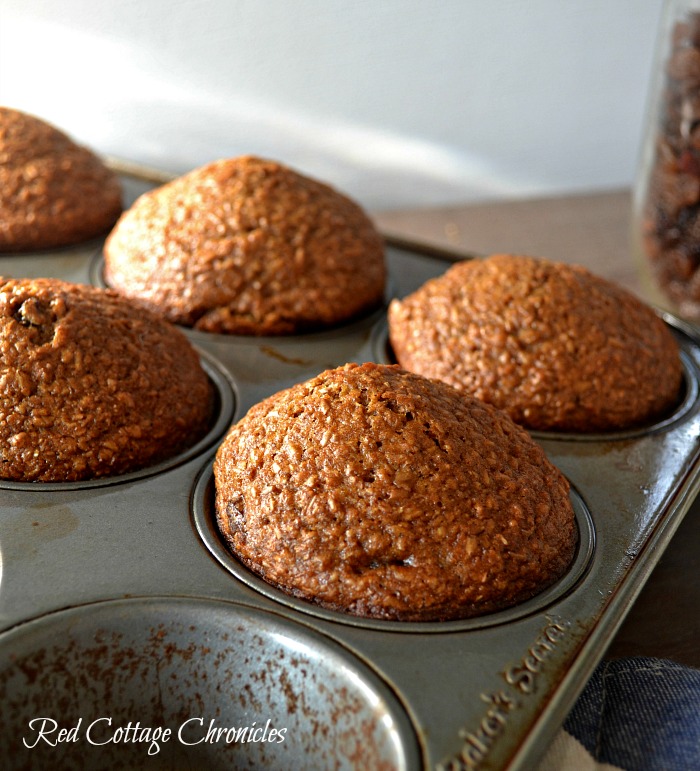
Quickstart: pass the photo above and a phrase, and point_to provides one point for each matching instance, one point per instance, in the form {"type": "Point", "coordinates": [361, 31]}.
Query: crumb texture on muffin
{"type": "Point", "coordinates": [91, 386]}
{"type": "Point", "coordinates": [555, 346]}
{"type": "Point", "coordinates": [380, 493]}
{"type": "Point", "coordinates": [53, 192]}
{"type": "Point", "coordinates": [248, 246]}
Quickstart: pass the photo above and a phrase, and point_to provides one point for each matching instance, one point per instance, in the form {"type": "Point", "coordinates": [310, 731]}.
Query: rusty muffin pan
{"type": "Point", "coordinates": [131, 637]}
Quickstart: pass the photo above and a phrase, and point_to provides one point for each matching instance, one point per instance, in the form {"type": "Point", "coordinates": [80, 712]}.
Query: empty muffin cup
{"type": "Point", "coordinates": [186, 683]}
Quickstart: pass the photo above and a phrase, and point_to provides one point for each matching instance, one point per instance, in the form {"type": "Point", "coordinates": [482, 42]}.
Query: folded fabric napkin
{"type": "Point", "coordinates": [635, 714]}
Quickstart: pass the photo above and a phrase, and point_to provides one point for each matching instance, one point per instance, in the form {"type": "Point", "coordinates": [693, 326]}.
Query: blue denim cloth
{"type": "Point", "coordinates": [640, 714]}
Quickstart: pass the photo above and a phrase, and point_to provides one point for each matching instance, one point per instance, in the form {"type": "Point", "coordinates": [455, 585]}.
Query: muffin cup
{"type": "Point", "coordinates": [383, 354]}
{"type": "Point", "coordinates": [172, 683]}
{"type": "Point", "coordinates": [204, 517]}
{"type": "Point", "coordinates": [222, 415]}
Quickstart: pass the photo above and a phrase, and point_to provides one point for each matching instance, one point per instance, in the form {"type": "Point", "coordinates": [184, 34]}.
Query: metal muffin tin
{"type": "Point", "coordinates": [123, 616]}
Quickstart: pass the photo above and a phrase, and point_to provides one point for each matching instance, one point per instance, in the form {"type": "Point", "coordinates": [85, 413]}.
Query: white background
{"type": "Point", "coordinates": [397, 102]}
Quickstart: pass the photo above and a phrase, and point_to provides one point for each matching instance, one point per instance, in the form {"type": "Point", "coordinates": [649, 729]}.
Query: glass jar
{"type": "Point", "coordinates": [666, 200]}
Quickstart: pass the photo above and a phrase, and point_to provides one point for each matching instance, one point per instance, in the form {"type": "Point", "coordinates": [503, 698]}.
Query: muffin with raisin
{"type": "Point", "coordinates": [91, 385]}
{"type": "Point", "coordinates": [380, 493]}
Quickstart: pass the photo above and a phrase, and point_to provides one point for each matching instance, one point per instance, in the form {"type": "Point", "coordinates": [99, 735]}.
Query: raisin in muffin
{"type": "Point", "coordinates": [53, 192]}
{"type": "Point", "coordinates": [553, 345]}
{"type": "Point", "coordinates": [91, 386]}
{"type": "Point", "coordinates": [380, 493]}
{"type": "Point", "coordinates": [248, 246]}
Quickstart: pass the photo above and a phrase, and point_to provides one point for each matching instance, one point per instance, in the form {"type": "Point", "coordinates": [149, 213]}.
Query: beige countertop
{"type": "Point", "coordinates": [591, 230]}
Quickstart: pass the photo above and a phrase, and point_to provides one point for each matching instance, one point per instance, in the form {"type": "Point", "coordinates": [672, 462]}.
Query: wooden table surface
{"type": "Point", "coordinates": [591, 230]}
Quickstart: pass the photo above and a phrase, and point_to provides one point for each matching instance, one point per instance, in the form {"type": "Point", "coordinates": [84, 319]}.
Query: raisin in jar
{"type": "Point", "coordinates": [666, 202]}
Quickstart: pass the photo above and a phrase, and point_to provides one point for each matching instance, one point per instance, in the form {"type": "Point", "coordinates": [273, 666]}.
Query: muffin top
{"type": "Point", "coordinates": [53, 192]}
{"type": "Point", "coordinates": [248, 246]}
{"type": "Point", "coordinates": [380, 493]}
{"type": "Point", "coordinates": [553, 345]}
{"type": "Point", "coordinates": [91, 386]}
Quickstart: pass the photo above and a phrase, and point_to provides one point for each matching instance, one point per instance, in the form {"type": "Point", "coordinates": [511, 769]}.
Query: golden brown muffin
{"type": "Point", "coordinates": [380, 493]}
{"type": "Point", "coordinates": [52, 191]}
{"type": "Point", "coordinates": [248, 246]}
{"type": "Point", "coordinates": [91, 386]}
{"type": "Point", "coordinates": [553, 345]}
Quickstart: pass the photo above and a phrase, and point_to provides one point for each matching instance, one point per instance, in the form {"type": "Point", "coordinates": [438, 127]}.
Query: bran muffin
{"type": "Point", "coordinates": [380, 493]}
{"type": "Point", "coordinates": [248, 246]}
{"type": "Point", "coordinates": [91, 386]}
{"type": "Point", "coordinates": [53, 192]}
{"type": "Point", "coordinates": [553, 345]}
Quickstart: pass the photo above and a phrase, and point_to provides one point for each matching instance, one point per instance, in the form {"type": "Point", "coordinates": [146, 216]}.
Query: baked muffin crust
{"type": "Point", "coordinates": [553, 345]}
{"type": "Point", "coordinates": [91, 386]}
{"type": "Point", "coordinates": [53, 192]}
{"type": "Point", "coordinates": [383, 494]}
{"type": "Point", "coordinates": [248, 246]}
